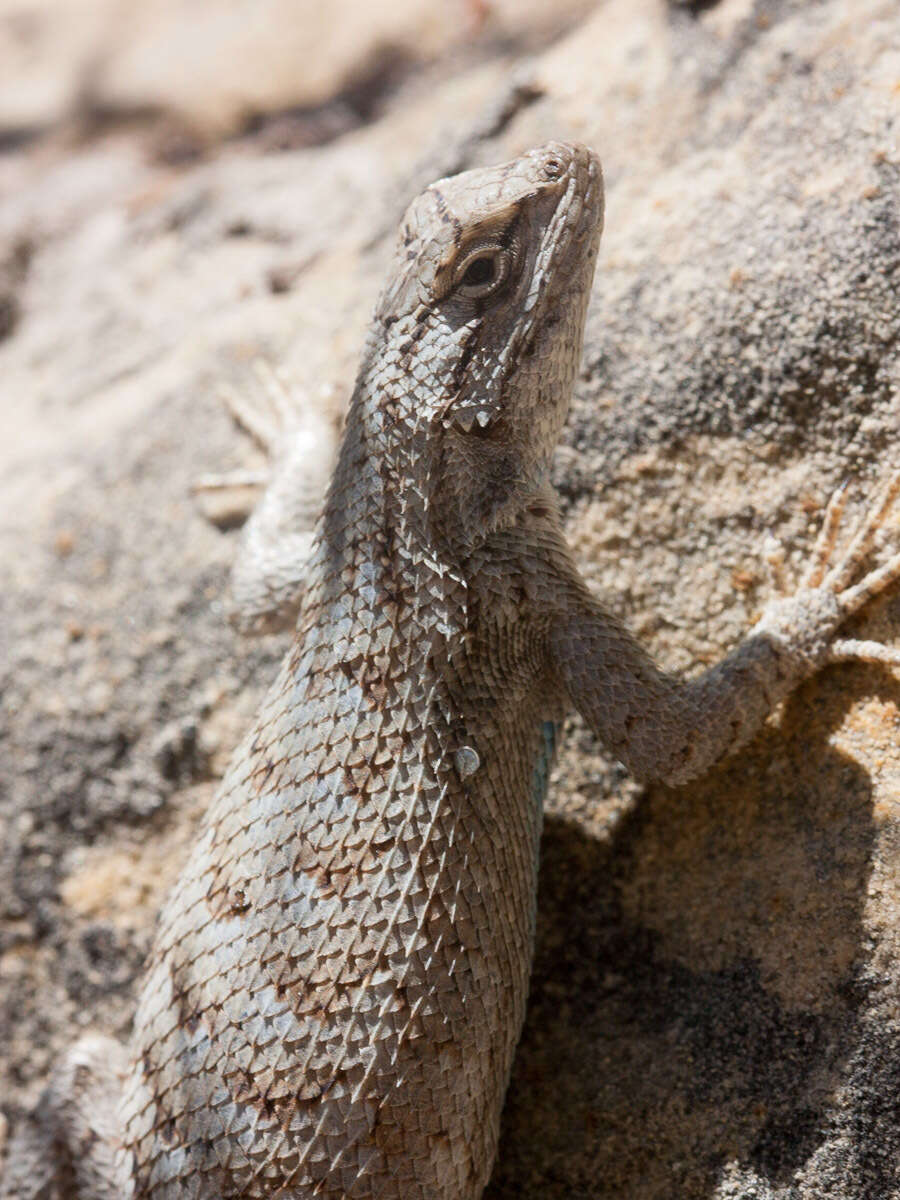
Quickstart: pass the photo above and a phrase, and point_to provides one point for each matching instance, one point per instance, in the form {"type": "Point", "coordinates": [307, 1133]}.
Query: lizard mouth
{"type": "Point", "coordinates": [572, 233]}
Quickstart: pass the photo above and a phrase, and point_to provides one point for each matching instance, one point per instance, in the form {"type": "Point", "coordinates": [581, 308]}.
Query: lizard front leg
{"type": "Point", "coordinates": [673, 730]}
{"type": "Point", "coordinates": [268, 578]}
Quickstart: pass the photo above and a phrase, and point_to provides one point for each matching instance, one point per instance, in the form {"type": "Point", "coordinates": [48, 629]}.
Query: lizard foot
{"type": "Point", "coordinates": [268, 416]}
{"type": "Point", "coordinates": [836, 574]}
{"type": "Point", "coordinates": [839, 577]}
{"type": "Point", "coordinates": [835, 586]}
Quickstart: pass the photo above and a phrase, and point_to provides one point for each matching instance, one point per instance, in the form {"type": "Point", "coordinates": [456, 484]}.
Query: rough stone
{"type": "Point", "coordinates": [714, 1010]}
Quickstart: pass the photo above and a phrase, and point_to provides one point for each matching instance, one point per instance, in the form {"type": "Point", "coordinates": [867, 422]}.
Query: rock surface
{"type": "Point", "coordinates": [715, 1010]}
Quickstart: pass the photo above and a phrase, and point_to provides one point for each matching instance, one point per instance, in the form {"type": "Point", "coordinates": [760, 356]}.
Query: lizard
{"type": "Point", "coordinates": [339, 977]}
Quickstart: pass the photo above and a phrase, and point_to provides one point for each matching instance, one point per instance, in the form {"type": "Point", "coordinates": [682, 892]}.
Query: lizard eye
{"type": "Point", "coordinates": [482, 272]}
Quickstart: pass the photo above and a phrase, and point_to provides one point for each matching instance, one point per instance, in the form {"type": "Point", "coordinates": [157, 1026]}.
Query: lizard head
{"type": "Point", "coordinates": [483, 318]}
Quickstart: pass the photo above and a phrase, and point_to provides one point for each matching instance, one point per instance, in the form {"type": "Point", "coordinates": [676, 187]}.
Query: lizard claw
{"type": "Point", "coordinates": [774, 558]}
{"type": "Point", "coordinates": [852, 650]}
{"type": "Point", "coordinates": [854, 598]}
{"type": "Point", "coordinates": [825, 542]}
{"type": "Point", "coordinates": [259, 417]}
{"type": "Point", "coordinates": [841, 574]}
{"type": "Point", "coordinates": [832, 591]}
{"type": "Point", "coordinates": [839, 579]}
{"type": "Point", "coordinates": [851, 597]}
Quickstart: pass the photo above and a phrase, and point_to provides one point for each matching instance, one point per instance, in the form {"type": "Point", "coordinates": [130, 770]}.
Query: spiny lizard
{"type": "Point", "coordinates": [339, 977]}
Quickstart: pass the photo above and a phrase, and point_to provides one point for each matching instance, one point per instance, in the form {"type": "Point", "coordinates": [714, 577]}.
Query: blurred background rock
{"type": "Point", "coordinates": [188, 187]}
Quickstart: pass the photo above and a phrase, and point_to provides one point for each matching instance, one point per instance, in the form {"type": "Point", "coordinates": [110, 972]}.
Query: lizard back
{"type": "Point", "coordinates": [339, 977]}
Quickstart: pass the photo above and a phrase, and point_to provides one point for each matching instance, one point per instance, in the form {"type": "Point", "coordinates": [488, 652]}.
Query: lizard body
{"type": "Point", "coordinates": [339, 977]}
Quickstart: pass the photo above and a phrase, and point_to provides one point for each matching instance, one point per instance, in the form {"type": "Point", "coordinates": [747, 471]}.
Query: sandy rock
{"type": "Point", "coordinates": [714, 1010]}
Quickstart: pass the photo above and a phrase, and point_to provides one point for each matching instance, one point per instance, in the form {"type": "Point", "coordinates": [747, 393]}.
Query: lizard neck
{"type": "Point", "coordinates": [377, 527]}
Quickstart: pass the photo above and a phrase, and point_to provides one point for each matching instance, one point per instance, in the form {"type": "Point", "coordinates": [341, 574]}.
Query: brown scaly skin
{"type": "Point", "coordinates": [339, 977]}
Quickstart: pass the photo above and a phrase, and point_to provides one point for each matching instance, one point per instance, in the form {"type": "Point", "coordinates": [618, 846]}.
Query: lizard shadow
{"type": "Point", "coordinates": [694, 999]}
